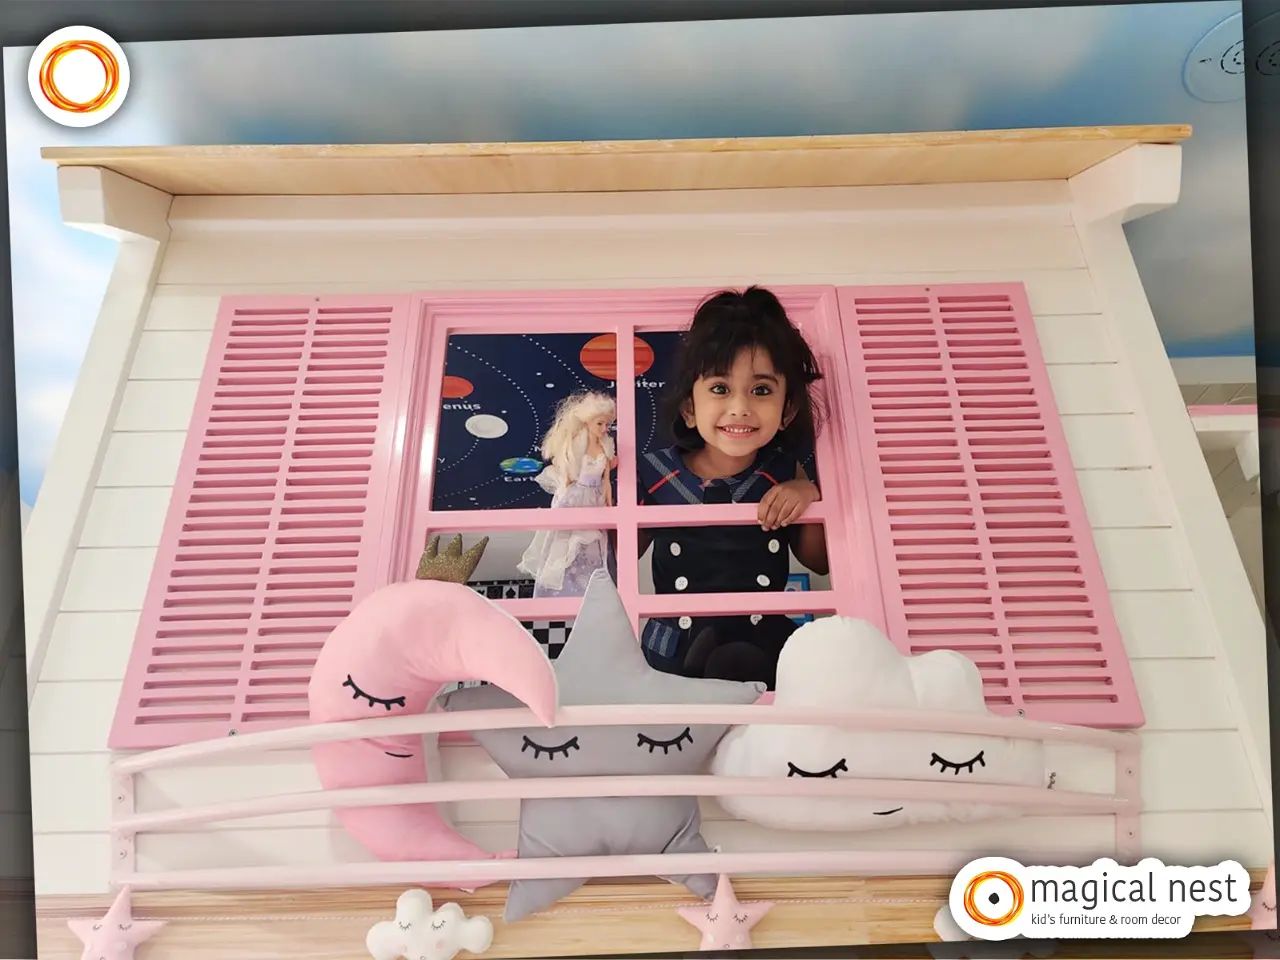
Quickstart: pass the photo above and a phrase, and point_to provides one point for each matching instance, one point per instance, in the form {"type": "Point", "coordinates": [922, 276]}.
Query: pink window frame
{"type": "Point", "coordinates": [843, 507]}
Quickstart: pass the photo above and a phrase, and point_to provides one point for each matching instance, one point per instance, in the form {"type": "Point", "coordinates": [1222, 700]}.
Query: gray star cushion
{"type": "Point", "coordinates": [602, 663]}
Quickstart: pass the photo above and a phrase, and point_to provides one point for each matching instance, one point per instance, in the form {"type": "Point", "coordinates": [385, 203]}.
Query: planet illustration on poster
{"type": "Point", "coordinates": [486, 426]}
{"type": "Point", "coordinates": [599, 356]}
{"type": "Point", "coordinates": [456, 388]}
{"type": "Point", "coordinates": [520, 466]}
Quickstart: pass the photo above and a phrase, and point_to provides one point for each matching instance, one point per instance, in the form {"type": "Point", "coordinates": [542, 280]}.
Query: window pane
{"type": "Point", "coordinates": [723, 558]}
{"type": "Point", "coordinates": [653, 427]}
{"type": "Point", "coordinates": [498, 400]}
{"type": "Point", "coordinates": [523, 564]}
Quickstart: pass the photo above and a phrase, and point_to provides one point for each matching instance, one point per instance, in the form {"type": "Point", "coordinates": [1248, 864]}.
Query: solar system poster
{"type": "Point", "coordinates": [499, 397]}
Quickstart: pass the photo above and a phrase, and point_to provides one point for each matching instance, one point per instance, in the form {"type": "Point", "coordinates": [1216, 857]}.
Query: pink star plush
{"type": "Point", "coordinates": [725, 923]}
{"type": "Point", "coordinates": [117, 935]}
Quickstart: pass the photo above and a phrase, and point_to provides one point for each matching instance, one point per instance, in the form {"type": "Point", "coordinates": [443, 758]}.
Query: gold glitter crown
{"type": "Point", "coordinates": [453, 565]}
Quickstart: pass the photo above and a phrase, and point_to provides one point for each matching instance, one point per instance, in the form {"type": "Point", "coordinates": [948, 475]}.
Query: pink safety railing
{"type": "Point", "coordinates": [1122, 804]}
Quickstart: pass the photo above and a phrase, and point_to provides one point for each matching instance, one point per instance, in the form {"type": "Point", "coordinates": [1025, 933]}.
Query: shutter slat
{"type": "Point", "coordinates": [274, 528]}
{"type": "Point", "coordinates": [980, 531]}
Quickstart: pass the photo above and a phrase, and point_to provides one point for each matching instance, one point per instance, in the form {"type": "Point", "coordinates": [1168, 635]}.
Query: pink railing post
{"type": "Point", "coordinates": [626, 504]}
{"type": "Point", "coordinates": [124, 843]}
{"type": "Point", "coordinates": [1129, 786]}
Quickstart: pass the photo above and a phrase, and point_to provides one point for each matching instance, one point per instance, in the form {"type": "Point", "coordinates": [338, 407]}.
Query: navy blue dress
{"type": "Point", "coordinates": [715, 559]}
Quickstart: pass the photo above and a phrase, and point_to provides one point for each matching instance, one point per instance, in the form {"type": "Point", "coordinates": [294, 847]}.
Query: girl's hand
{"type": "Point", "coordinates": [608, 495]}
{"type": "Point", "coordinates": [786, 503]}
{"type": "Point", "coordinates": [613, 464]}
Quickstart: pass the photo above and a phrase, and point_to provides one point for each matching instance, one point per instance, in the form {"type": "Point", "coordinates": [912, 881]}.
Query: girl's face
{"type": "Point", "coordinates": [741, 411]}
{"type": "Point", "coordinates": [598, 427]}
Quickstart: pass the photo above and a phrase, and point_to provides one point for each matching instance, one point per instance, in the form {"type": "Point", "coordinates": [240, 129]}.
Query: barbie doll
{"type": "Point", "coordinates": [579, 453]}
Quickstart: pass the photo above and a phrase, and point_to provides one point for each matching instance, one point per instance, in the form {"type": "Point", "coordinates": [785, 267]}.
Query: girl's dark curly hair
{"type": "Point", "coordinates": [727, 323]}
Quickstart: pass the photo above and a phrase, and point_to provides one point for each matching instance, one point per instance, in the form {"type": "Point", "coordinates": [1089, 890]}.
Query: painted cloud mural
{"type": "Point", "coordinates": [843, 664]}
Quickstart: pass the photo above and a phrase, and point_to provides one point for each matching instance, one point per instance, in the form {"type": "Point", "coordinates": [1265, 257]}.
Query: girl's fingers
{"type": "Point", "coordinates": [777, 511]}
{"type": "Point", "coordinates": [787, 514]}
{"type": "Point", "coordinates": [766, 506]}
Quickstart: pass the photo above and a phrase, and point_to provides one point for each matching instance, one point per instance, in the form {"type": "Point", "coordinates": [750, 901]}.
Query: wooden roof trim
{"type": "Point", "coordinates": [616, 165]}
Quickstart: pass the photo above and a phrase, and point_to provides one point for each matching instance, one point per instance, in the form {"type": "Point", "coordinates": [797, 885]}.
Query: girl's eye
{"type": "Point", "coordinates": [666, 745]}
{"type": "Point", "coordinates": [357, 693]}
{"type": "Point", "coordinates": [539, 749]}
{"type": "Point", "coordinates": [945, 765]}
{"type": "Point", "coordinates": [719, 389]}
{"type": "Point", "coordinates": [761, 390]}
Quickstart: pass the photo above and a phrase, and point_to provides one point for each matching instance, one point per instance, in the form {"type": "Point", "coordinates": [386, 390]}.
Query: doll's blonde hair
{"type": "Point", "coordinates": [565, 445]}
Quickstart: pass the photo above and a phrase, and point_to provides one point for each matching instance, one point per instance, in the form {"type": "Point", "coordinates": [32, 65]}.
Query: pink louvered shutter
{"type": "Point", "coordinates": [275, 522]}
{"type": "Point", "coordinates": [981, 536]}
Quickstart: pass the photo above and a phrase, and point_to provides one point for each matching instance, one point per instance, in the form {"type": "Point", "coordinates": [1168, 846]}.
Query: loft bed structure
{"type": "Point", "coordinates": [1072, 544]}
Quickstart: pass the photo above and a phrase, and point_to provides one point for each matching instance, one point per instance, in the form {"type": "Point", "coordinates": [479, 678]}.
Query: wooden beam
{"type": "Point", "coordinates": [1055, 153]}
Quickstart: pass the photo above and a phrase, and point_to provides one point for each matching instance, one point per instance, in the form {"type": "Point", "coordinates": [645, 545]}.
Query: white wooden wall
{"type": "Point", "coordinates": [1201, 799]}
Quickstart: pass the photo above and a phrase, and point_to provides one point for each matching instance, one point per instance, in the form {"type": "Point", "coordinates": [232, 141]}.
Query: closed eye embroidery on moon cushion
{"type": "Point", "coordinates": [357, 693]}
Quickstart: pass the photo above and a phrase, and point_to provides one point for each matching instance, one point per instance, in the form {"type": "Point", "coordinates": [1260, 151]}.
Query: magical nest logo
{"type": "Point", "coordinates": [78, 76]}
{"type": "Point", "coordinates": [995, 898]}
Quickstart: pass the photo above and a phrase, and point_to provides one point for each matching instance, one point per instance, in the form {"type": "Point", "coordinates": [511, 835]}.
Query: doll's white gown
{"type": "Point", "coordinates": [562, 561]}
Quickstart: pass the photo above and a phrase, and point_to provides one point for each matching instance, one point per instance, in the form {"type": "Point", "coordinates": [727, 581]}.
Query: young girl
{"type": "Point", "coordinates": [579, 453]}
{"type": "Point", "coordinates": [741, 412]}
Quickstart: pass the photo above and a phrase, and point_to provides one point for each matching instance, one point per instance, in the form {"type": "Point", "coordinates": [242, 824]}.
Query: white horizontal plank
{"type": "Point", "coordinates": [1197, 770]}
{"type": "Point", "coordinates": [1057, 297]}
{"type": "Point", "coordinates": [15, 787]}
{"type": "Point", "coordinates": [15, 846]}
{"type": "Point", "coordinates": [1073, 338]}
{"type": "Point", "coordinates": [1106, 441]}
{"type": "Point", "coordinates": [1141, 559]}
{"type": "Point", "coordinates": [170, 355]}
{"type": "Point", "coordinates": [125, 517]}
{"type": "Point", "coordinates": [157, 404]}
{"type": "Point", "coordinates": [142, 459]}
{"type": "Point", "coordinates": [90, 646]}
{"type": "Point", "coordinates": [70, 793]}
{"type": "Point", "coordinates": [108, 579]}
{"type": "Point", "coordinates": [72, 717]}
{"type": "Point", "coordinates": [471, 260]}
{"type": "Point", "coordinates": [72, 863]}
{"type": "Point", "coordinates": [1183, 695]}
{"type": "Point", "coordinates": [1162, 623]}
{"type": "Point", "coordinates": [191, 306]}
{"type": "Point", "coordinates": [1045, 201]}
{"type": "Point", "coordinates": [1123, 498]}
{"type": "Point", "coordinates": [1090, 388]}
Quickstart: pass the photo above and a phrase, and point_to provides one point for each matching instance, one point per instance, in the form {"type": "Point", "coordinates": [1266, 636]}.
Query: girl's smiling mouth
{"type": "Point", "coordinates": [738, 430]}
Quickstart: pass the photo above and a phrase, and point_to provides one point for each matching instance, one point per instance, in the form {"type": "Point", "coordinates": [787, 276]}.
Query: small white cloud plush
{"type": "Point", "coordinates": [420, 933]}
{"type": "Point", "coordinates": [843, 664]}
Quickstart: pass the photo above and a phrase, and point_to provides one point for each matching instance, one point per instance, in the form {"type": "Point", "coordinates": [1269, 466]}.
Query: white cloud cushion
{"type": "Point", "coordinates": [843, 664]}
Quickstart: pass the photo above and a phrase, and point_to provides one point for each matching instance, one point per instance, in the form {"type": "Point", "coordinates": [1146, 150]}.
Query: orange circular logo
{"type": "Point", "coordinates": [78, 76]}
{"type": "Point", "coordinates": [110, 68]}
{"type": "Point", "coordinates": [1006, 906]}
